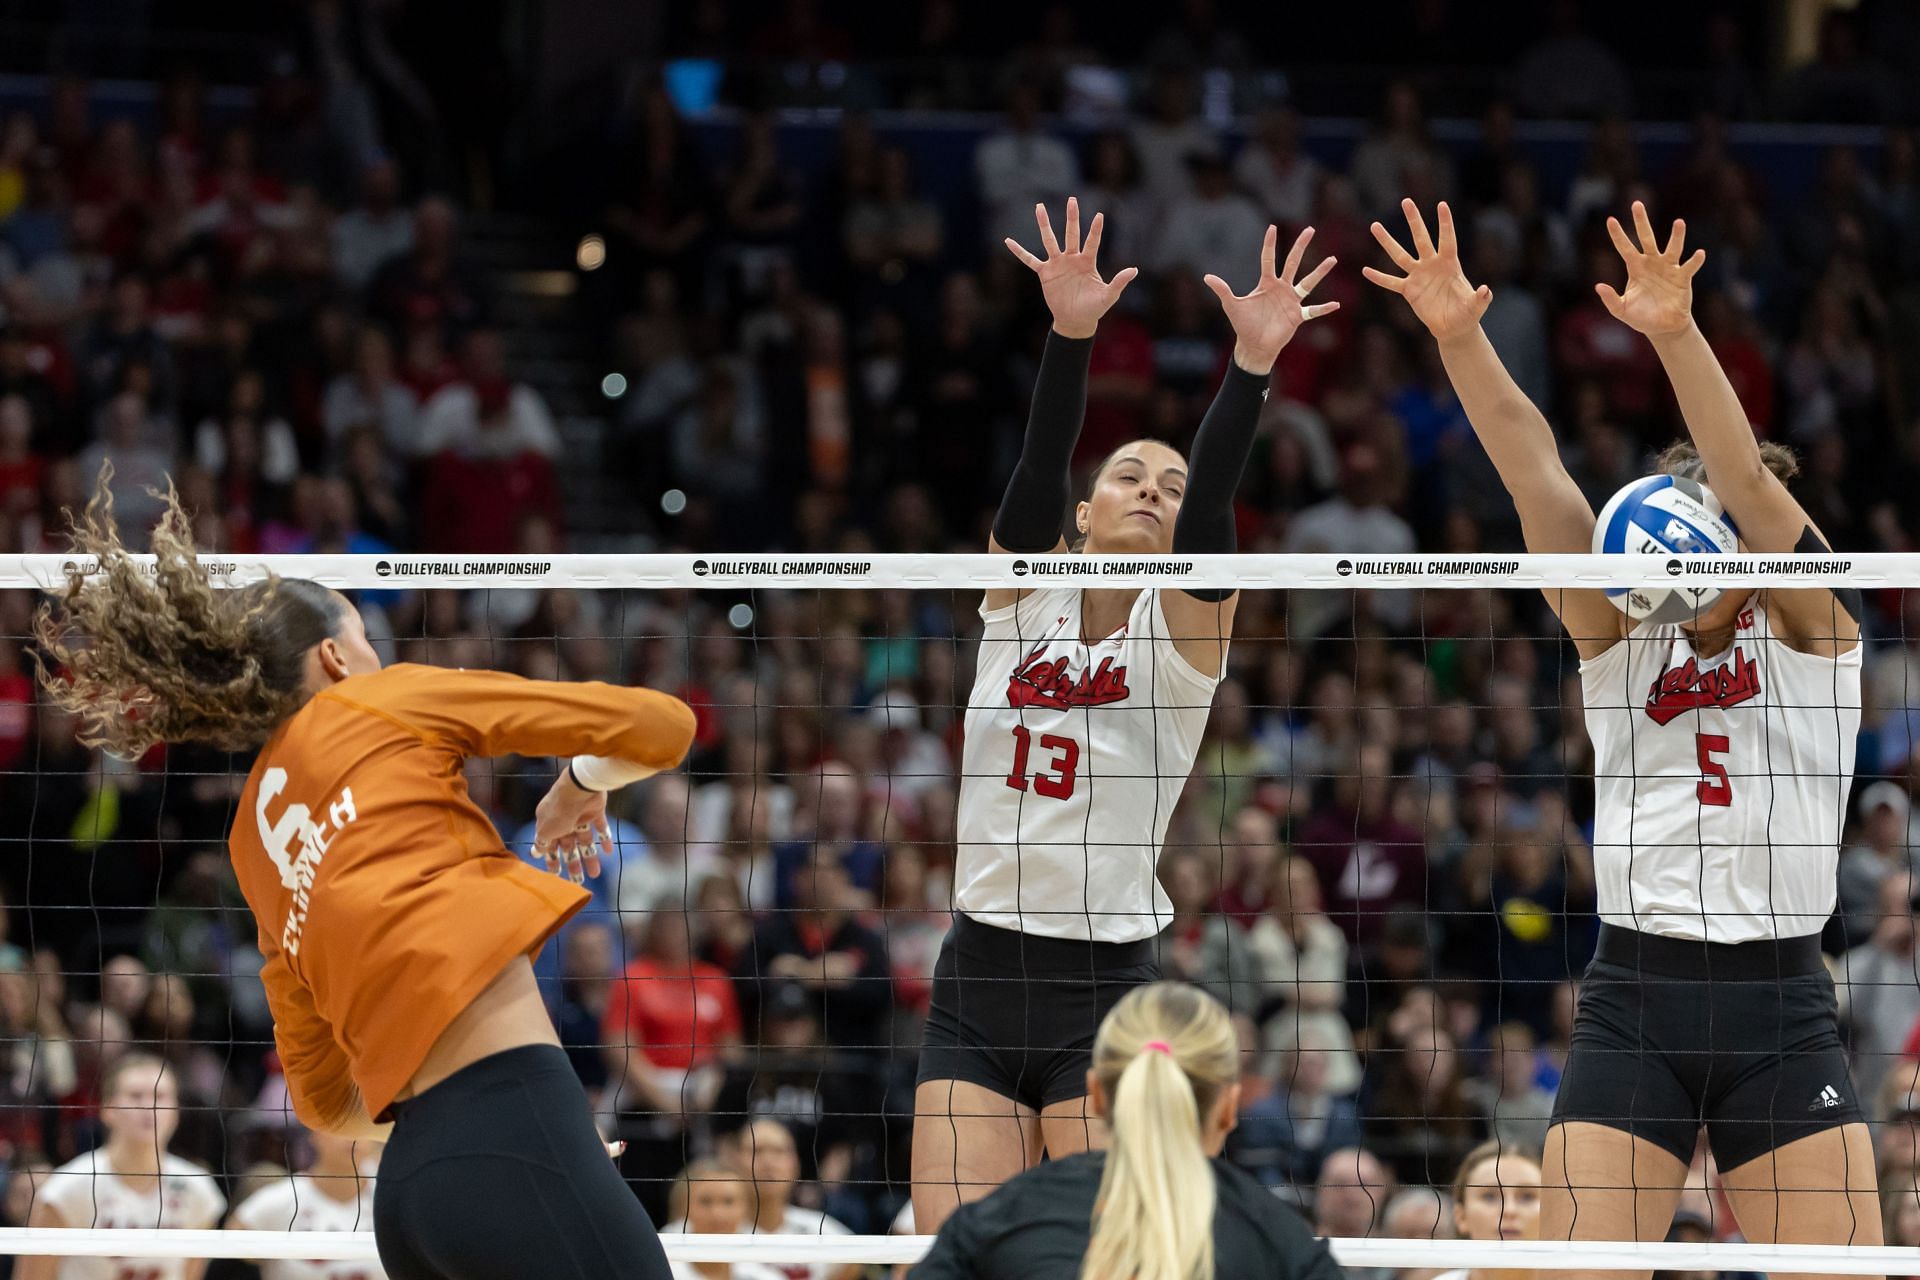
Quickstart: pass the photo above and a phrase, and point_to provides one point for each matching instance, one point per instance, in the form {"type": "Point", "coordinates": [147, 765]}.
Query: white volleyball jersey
{"type": "Point", "coordinates": [298, 1204]}
{"type": "Point", "coordinates": [1074, 758]}
{"type": "Point", "coordinates": [85, 1192]}
{"type": "Point", "coordinates": [1720, 782]}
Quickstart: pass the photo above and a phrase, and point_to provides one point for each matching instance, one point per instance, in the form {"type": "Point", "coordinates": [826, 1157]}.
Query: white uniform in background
{"type": "Point", "coordinates": [1075, 756]}
{"type": "Point", "coordinates": [1720, 782]}
{"type": "Point", "coordinates": [297, 1203]}
{"type": "Point", "coordinates": [86, 1193]}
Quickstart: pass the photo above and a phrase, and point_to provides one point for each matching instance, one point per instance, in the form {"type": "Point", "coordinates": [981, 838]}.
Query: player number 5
{"type": "Point", "coordinates": [1715, 788]}
{"type": "Point", "coordinates": [1057, 782]}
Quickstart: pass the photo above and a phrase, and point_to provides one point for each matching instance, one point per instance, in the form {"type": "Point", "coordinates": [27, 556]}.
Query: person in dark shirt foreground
{"type": "Point", "coordinates": [1159, 1204]}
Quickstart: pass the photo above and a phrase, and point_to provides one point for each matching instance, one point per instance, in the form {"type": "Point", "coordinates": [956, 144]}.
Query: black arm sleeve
{"type": "Point", "coordinates": [1220, 449]}
{"type": "Point", "coordinates": [1035, 505]}
{"type": "Point", "coordinates": [1810, 544]}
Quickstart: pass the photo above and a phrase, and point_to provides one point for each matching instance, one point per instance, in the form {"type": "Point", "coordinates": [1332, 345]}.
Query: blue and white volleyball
{"type": "Point", "coordinates": [1668, 516]}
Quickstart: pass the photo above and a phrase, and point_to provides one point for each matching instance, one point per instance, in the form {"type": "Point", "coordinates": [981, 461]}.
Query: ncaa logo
{"type": "Point", "coordinates": [383, 569]}
{"type": "Point", "coordinates": [1673, 568]}
{"type": "Point", "coordinates": [1344, 568]}
{"type": "Point", "coordinates": [699, 568]}
{"type": "Point", "coordinates": [1019, 568]}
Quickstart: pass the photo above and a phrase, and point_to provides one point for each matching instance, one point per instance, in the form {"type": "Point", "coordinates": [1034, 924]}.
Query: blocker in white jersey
{"type": "Point", "coordinates": [1720, 780]}
{"type": "Point", "coordinates": [1075, 757]}
{"type": "Point", "coordinates": [86, 1192]}
{"type": "Point", "coordinates": [300, 1203]}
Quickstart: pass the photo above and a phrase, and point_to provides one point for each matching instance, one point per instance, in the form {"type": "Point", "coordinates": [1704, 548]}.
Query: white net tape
{"type": "Point", "coordinates": [680, 572]}
{"type": "Point", "coordinates": [1250, 572]}
{"type": "Point", "coordinates": [1542, 1255]}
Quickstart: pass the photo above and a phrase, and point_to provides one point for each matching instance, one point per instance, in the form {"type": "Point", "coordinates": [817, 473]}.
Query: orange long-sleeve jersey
{"type": "Point", "coordinates": [385, 899]}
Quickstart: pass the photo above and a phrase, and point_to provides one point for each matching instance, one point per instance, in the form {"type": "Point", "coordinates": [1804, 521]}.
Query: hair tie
{"type": "Point", "coordinates": [1157, 1046]}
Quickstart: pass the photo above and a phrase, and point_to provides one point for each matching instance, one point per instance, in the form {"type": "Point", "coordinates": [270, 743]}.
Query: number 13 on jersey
{"type": "Point", "coordinates": [1056, 776]}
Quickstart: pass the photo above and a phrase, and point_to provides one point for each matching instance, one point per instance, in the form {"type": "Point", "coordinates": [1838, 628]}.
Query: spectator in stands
{"type": "Point", "coordinates": [428, 286]}
{"type": "Point", "coordinates": [1881, 848]}
{"type": "Point", "coordinates": [37, 1070]}
{"type": "Point", "coordinates": [370, 395]}
{"type": "Point", "coordinates": [1350, 1193]}
{"type": "Point", "coordinates": [670, 1020]}
{"type": "Point", "coordinates": [1276, 172]}
{"type": "Point", "coordinates": [122, 338]}
{"type": "Point", "coordinates": [1021, 166]}
{"type": "Point", "coordinates": [1367, 860]}
{"type": "Point", "coordinates": [1416, 1213]}
{"type": "Point", "coordinates": [1397, 158]}
{"type": "Point", "coordinates": [140, 451]}
{"type": "Point", "coordinates": [486, 414]}
{"type": "Point", "coordinates": [1516, 1107]}
{"type": "Point", "coordinates": [1419, 1119]}
{"type": "Point", "coordinates": [1113, 190]}
{"type": "Point", "coordinates": [712, 1198]}
{"type": "Point", "coordinates": [660, 213]}
{"type": "Point", "coordinates": [1210, 223]}
{"type": "Point", "coordinates": [1166, 141]}
{"type": "Point", "coordinates": [762, 206]}
{"type": "Point", "coordinates": [822, 945]}
{"type": "Point", "coordinates": [1878, 983]}
{"type": "Point", "coordinates": [1294, 1131]}
{"type": "Point", "coordinates": [673, 869]}
{"type": "Point", "coordinates": [1569, 73]}
{"type": "Point", "coordinates": [589, 970]}
{"type": "Point", "coordinates": [763, 1150]}
{"type": "Point", "coordinates": [373, 232]}
{"type": "Point", "coordinates": [1359, 520]}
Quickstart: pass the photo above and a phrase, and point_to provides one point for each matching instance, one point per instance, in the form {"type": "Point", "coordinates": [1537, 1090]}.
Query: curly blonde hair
{"type": "Point", "coordinates": [149, 654]}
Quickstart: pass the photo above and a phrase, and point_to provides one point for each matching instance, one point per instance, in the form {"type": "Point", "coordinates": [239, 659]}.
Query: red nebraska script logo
{"type": "Point", "coordinates": [1039, 683]}
{"type": "Point", "coordinates": [1678, 690]}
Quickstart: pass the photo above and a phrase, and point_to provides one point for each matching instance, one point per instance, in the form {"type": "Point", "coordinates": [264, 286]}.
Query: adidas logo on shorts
{"type": "Point", "coordinates": [1829, 1097]}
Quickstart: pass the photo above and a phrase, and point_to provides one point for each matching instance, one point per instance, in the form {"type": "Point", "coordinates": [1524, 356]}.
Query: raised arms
{"type": "Point", "coordinates": [1264, 321]}
{"type": "Point", "coordinates": [1039, 493]}
{"type": "Point", "coordinates": [1554, 514]}
{"type": "Point", "coordinates": [1658, 302]}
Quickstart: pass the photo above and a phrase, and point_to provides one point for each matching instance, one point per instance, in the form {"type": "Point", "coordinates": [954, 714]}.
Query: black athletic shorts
{"type": "Point", "coordinates": [1743, 1038]}
{"type": "Point", "coordinates": [1017, 1014]}
{"type": "Point", "coordinates": [497, 1173]}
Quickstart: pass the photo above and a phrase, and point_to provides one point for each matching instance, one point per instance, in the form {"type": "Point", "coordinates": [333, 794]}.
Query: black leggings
{"type": "Point", "coordinates": [497, 1173]}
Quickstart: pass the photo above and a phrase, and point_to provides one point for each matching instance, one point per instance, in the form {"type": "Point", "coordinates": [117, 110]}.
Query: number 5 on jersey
{"type": "Point", "coordinates": [1056, 782]}
{"type": "Point", "coordinates": [1715, 788]}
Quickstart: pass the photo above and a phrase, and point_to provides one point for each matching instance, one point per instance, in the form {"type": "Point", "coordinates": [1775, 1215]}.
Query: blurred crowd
{"type": "Point", "coordinates": [1381, 863]}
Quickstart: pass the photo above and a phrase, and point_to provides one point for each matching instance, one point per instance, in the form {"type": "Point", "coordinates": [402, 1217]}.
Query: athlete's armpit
{"type": "Point", "coordinates": [1812, 544]}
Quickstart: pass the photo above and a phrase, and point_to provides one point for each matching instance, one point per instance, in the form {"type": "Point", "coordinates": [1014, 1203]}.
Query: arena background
{"type": "Point", "coordinates": [506, 279]}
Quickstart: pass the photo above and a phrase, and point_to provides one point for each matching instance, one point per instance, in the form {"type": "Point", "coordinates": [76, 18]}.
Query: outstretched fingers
{"type": "Point", "coordinates": [1047, 238]}
{"type": "Point", "coordinates": [1073, 225]}
{"type": "Point", "coordinates": [1120, 282]}
{"type": "Point", "coordinates": [1020, 251]}
{"type": "Point", "coordinates": [1677, 242]}
{"type": "Point", "coordinates": [1393, 284]}
{"type": "Point", "coordinates": [1417, 227]}
{"type": "Point", "coordinates": [1221, 289]}
{"type": "Point", "coordinates": [1315, 276]}
{"type": "Point", "coordinates": [1295, 254]}
{"type": "Point", "coordinates": [1319, 309]}
{"type": "Point", "coordinates": [1094, 229]}
{"type": "Point", "coordinates": [1643, 227]}
{"type": "Point", "coordinates": [1449, 242]}
{"type": "Point", "coordinates": [1395, 252]}
{"type": "Point", "coordinates": [1618, 234]}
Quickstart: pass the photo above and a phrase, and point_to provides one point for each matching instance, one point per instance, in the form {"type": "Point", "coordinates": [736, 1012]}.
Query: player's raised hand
{"type": "Point", "coordinates": [570, 829]}
{"type": "Point", "coordinates": [1069, 276]}
{"type": "Point", "coordinates": [1659, 295]}
{"type": "Point", "coordinates": [1266, 319]}
{"type": "Point", "coordinates": [1434, 286]}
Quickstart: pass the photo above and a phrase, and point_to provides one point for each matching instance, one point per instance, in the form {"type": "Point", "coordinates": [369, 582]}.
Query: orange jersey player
{"type": "Point", "coordinates": [397, 930]}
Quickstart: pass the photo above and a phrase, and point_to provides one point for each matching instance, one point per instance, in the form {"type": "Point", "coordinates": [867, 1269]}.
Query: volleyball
{"type": "Point", "coordinates": [1664, 515]}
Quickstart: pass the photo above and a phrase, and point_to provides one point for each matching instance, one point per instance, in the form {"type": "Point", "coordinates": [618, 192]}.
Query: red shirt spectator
{"type": "Point", "coordinates": [680, 1012]}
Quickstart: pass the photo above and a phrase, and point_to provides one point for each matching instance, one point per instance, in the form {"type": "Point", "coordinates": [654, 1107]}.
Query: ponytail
{"type": "Point", "coordinates": [1164, 1056]}
{"type": "Point", "coordinates": [145, 655]}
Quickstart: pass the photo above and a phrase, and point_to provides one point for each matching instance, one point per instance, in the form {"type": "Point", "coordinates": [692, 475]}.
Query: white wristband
{"type": "Point", "coordinates": [604, 773]}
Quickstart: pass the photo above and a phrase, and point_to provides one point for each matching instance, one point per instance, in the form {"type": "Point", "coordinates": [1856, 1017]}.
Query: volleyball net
{"type": "Point", "coordinates": [1381, 861]}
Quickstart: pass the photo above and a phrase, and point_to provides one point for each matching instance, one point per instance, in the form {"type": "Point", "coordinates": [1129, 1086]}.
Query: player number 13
{"type": "Point", "coordinates": [1056, 776]}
